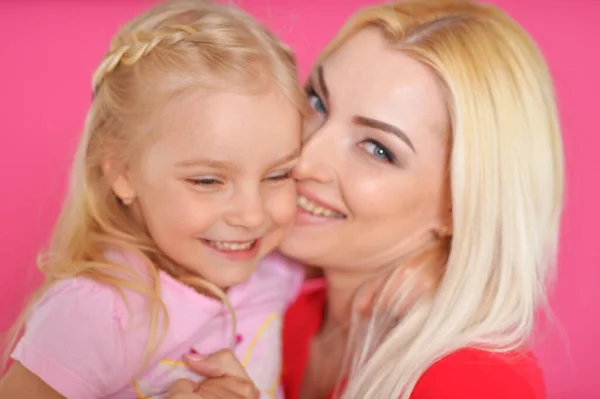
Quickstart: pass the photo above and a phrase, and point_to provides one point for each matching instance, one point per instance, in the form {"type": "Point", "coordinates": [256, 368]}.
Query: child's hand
{"type": "Point", "coordinates": [420, 275]}
{"type": "Point", "coordinates": [225, 379]}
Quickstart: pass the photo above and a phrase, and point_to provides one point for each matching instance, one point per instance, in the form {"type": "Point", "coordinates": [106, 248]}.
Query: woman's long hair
{"type": "Point", "coordinates": [506, 173]}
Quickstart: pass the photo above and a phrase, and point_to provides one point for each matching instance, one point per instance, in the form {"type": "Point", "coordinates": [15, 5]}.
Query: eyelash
{"type": "Point", "coordinates": [280, 177]}
{"type": "Point", "coordinates": [203, 182]}
{"type": "Point", "coordinates": [386, 154]}
{"type": "Point", "coordinates": [312, 94]}
{"type": "Point", "coordinates": [212, 182]}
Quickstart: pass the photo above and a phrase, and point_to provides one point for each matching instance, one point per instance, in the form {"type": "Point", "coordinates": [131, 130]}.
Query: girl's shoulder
{"type": "Point", "coordinates": [112, 295]}
{"type": "Point", "coordinates": [75, 339]}
{"type": "Point", "coordinates": [474, 373]}
{"type": "Point", "coordinates": [79, 296]}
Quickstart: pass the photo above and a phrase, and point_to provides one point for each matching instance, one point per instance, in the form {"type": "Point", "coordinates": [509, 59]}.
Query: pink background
{"type": "Point", "coordinates": [50, 49]}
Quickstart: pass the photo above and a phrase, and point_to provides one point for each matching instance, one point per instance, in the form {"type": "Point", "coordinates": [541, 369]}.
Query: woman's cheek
{"type": "Point", "coordinates": [374, 194]}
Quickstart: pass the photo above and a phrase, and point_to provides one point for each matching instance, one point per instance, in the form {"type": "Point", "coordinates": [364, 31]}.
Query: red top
{"type": "Point", "coordinates": [465, 374]}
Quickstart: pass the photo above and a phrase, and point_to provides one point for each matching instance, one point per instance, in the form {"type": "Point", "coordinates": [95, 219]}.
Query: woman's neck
{"type": "Point", "coordinates": [342, 287]}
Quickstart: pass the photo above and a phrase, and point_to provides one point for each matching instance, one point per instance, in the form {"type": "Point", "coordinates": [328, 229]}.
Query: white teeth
{"type": "Point", "coordinates": [310, 207]}
{"type": "Point", "coordinates": [232, 246]}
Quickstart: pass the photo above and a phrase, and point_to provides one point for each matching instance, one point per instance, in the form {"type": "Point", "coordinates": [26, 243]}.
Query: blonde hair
{"type": "Point", "coordinates": [507, 180]}
{"type": "Point", "coordinates": [174, 48]}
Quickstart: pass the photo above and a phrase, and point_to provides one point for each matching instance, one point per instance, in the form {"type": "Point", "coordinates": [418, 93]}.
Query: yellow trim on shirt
{"type": "Point", "coordinates": [272, 392]}
{"type": "Point", "coordinates": [173, 363]}
{"type": "Point", "coordinates": [272, 317]}
{"type": "Point", "coordinates": [138, 392]}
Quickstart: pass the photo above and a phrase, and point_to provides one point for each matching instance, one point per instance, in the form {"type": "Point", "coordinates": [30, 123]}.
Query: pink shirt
{"type": "Point", "coordinates": [83, 342]}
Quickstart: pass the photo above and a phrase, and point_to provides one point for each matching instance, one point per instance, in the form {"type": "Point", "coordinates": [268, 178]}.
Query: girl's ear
{"type": "Point", "coordinates": [120, 181]}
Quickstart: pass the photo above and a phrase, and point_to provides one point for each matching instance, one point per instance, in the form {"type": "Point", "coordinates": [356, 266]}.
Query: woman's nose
{"type": "Point", "coordinates": [318, 159]}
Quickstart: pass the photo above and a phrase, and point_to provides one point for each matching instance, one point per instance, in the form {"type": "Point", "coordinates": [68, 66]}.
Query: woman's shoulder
{"type": "Point", "coordinates": [473, 373]}
{"type": "Point", "coordinates": [302, 321]}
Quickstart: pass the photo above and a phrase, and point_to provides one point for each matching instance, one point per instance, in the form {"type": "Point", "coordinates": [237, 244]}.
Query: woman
{"type": "Point", "coordinates": [434, 126]}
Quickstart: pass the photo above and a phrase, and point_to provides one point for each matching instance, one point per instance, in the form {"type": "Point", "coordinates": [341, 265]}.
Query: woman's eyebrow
{"type": "Point", "coordinates": [364, 121]}
{"type": "Point", "coordinates": [386, 127]}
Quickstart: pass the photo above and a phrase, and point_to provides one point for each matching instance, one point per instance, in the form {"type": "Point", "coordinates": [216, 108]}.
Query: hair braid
{"type": "Point", "coordinates": [141, 44]}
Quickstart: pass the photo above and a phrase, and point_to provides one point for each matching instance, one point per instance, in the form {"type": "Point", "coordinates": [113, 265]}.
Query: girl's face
{"type": "Point", "coordinates": [215, 191]}
{"type": "Point", "coordinates": [373, 177]}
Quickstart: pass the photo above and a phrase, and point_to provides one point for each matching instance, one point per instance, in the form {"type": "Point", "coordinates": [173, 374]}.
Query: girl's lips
{"type": "Point", "coordinates": [234, 250]}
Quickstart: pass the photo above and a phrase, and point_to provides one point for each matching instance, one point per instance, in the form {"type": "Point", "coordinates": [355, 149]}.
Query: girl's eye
{"type": "Point", "coordinates": [378, 150]}
{"type": "Point", "coordinates": [208, 181]}
{"type": "Point", "coordinates": [315, 101]}
{"type": "Point", "coordinates": [280, 176]}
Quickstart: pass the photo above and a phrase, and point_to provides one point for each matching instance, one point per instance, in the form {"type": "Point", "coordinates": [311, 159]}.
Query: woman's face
{"type": "Point", "coordinates": [373, 176]}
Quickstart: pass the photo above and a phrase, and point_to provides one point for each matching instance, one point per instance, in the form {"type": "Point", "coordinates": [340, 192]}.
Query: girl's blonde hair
{"type": "Point", "coordinates": [507, 180]}
{"type": "Point", "coordinates": [174, 48]}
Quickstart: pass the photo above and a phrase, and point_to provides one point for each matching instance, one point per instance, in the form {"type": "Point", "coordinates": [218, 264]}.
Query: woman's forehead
{"type": "Point", "coordinates": [368, 77]}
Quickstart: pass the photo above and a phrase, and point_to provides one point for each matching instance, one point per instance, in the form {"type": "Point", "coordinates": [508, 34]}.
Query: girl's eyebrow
{"type": "Point", "coordinates": [225, 165]}
{"type": "Point", "coordinates": [211, 163]}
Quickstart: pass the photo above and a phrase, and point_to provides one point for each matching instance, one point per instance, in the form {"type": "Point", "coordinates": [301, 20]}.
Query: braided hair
{"type": "Point", "coordinates": [176, 47]}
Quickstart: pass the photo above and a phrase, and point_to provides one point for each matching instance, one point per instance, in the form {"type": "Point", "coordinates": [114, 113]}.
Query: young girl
{"type": "Point", "coordinates": [181, 185]}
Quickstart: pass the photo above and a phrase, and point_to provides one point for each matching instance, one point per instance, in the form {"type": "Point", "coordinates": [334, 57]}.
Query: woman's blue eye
{"type": "Point", "coordinates": [378, 150]}
{"type": "Point", "coordinates": [315, 101]}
